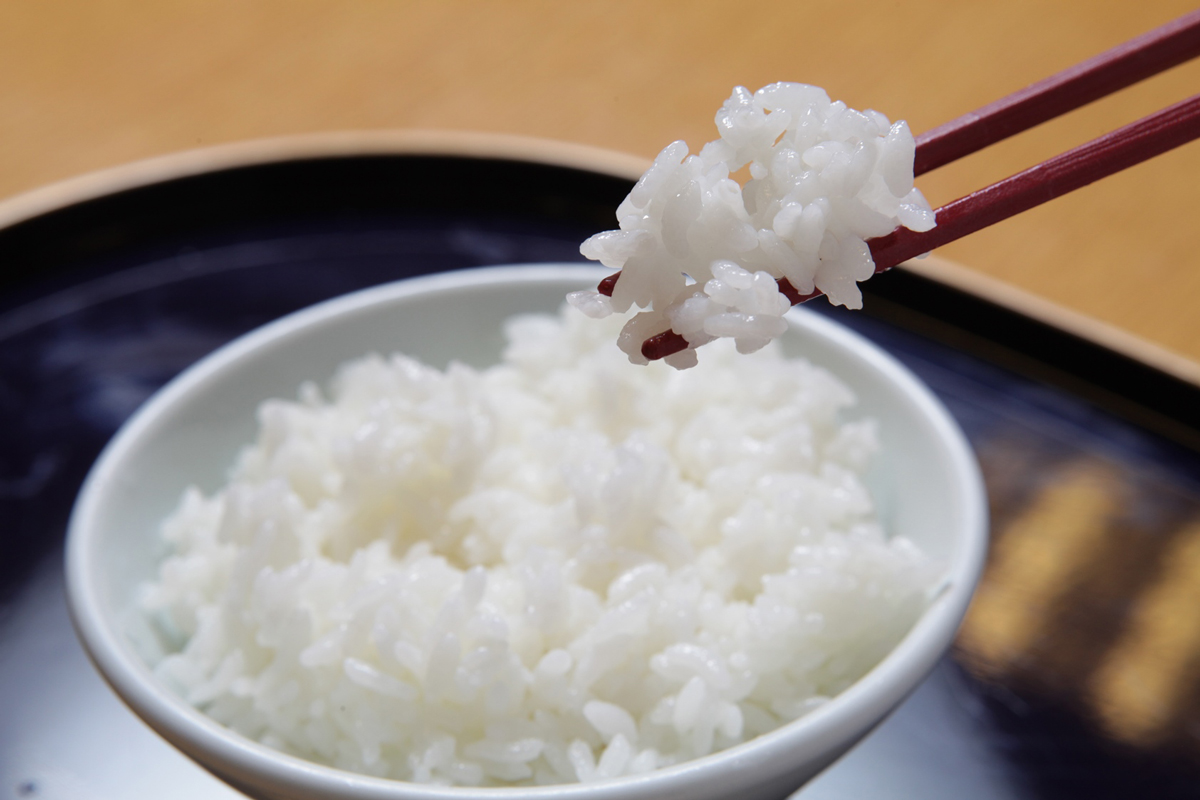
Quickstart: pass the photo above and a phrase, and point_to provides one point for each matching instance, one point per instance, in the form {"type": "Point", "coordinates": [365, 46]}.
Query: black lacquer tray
{"type": "Point", "coordinates": [1075, 674]}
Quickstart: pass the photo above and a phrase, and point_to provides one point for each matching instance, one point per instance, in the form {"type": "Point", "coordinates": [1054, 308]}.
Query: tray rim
{"type": "Point", "coordinates": [97, 184]}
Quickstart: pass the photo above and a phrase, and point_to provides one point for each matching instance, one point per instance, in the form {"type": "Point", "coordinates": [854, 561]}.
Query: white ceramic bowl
{"type": "Point", "coordinates": [927, 485]}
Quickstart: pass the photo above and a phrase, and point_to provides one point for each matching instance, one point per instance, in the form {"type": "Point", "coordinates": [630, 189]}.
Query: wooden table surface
{"type": "Point", "coordinates": [85, 86]}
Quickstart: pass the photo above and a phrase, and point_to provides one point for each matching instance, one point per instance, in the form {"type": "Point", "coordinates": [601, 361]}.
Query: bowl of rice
{"type": "Point", "coordinates": [439, 539]}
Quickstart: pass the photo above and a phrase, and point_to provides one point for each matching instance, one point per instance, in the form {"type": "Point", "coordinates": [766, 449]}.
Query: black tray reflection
{"type": "Point", "coordinates": [1080, 653]}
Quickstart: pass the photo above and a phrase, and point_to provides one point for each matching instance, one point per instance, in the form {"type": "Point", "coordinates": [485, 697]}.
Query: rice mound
{"type": "Point", "coordinates": [702, 253]}
{"type": "Point", "coordinates": [556, 569]}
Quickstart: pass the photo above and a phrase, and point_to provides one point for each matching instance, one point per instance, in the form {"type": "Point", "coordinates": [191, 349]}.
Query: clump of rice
{"type": "Point", "coordinates": [702, 253]}
{"type": "Point", "coordinates": [557, 569]}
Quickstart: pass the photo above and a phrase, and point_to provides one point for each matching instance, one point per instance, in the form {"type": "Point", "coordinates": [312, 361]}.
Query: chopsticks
{"type": "Point", "coordinates": [1139, 58]}
{"type": "Point", "coordinates": [1111, 153]}
{"type": "Point", "coordinates": [1124, 65]}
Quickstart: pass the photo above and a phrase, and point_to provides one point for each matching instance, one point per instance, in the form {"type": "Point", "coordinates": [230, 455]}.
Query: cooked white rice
{"type": "Point", "coordinates": [557, 569]}
{"type": "Point", "coordinates": [702, 254]}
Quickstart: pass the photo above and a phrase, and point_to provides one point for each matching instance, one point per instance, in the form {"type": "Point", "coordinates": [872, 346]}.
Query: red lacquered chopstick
{"type": "Point", "coordinates": [1099, 158]}
{"type": "Point", "coordinates": [1124, 65]}
{"type": "Point", "coordinates": [1160, 49]}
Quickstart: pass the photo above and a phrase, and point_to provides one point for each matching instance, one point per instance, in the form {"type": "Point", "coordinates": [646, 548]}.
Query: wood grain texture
{"type": "Point", "coordinates": [85, 86]}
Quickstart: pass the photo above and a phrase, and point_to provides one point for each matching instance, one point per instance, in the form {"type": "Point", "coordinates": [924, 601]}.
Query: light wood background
{"type": "Point", "coordinates": [88, 85]}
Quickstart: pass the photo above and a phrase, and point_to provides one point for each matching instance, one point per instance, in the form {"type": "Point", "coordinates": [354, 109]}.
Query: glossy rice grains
{"type": "Point", "coordinates": [701, 254]}
{"type": "Point", "coordinates": [558, 569]}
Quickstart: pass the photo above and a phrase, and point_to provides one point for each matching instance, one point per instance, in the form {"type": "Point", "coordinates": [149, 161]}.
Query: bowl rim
{"type": "Point", "coordinates": [242, 759]}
